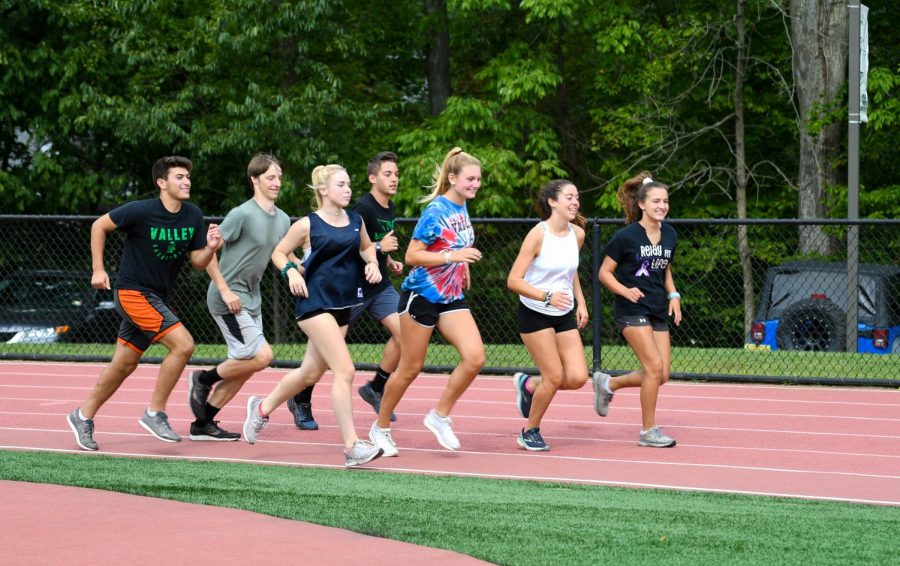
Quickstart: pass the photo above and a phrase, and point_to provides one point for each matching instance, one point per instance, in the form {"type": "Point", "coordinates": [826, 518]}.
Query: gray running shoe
{"type": "Point", "coordinates": [212, 431]}
{"type": "Point", "coordinates": [159, 427]}
{"type": "Point", "coordinates": [381, 437]}
{"type": "Point", "coordinates": [442, 427]}
{"type": "Point", "coordinates": [361, 453]}
{"type": "Point", "coordinates": [655, 439]}
{"type": "Point", "coordinates": [84, 430]}
{"type": "Point", "coordinates": [601, 396]}
{"type": "Point", "coordinates": [373, 398]}
{"type": "Point", "coordinates": [198, 393]}
{"type": "Point", "coordinates": [254, 422]}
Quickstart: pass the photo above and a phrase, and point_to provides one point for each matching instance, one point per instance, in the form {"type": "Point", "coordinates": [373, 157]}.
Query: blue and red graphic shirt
{"type": "Point", "coordinates": [444, 225]}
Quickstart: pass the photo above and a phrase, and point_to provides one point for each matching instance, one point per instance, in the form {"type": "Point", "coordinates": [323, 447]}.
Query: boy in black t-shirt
{"type": "Point", "coordinates": [381, 299]}
{"type": "Point", "coordinates": [161, 233]}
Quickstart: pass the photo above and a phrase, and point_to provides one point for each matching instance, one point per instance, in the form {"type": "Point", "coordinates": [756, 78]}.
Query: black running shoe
{"type": "Point", "coordinates": [303, 417]}
{"type": "Point", "coordinates": [211, 431]}
{"type": "Point", "coordinates": [373, 398]}
{"type": "Point", "coordinates": [523, 396]}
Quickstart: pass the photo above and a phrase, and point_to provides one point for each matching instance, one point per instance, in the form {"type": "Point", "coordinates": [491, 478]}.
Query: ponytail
{"type": "Point", "coordinates": [454, 162]}
{"type": "Point", "coordinates": [633, 191]}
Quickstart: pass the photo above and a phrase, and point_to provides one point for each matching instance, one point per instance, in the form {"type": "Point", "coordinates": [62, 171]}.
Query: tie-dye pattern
{"type": "Point", "coordinates": [444, 225]}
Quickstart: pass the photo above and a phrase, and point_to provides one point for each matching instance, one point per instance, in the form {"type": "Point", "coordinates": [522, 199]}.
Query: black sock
{"type": "Point", "coordinates": [379, 380]}
{"type": "Point", "coordinates": [304, 396]}
{"type": "Point", "coordinates": [210, 377]}
{"type": "Point", "coordinates": [210, 413]}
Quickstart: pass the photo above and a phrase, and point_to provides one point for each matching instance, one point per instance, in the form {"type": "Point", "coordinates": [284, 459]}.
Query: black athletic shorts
{"type": "Point", "coordinates": [533, 321]}
{"type": "Point", "coordinates": [342, 316]}
{"type": "Point", "coordinates": [424, 312]}
{"type": "Point", "coordinates": [658, 324]}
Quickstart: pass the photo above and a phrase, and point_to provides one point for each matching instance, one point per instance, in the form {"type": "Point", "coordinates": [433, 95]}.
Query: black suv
{"type": "Point", "coordinates": [43, 306]}
{"type": "Point", "coordinates": [803, 306]}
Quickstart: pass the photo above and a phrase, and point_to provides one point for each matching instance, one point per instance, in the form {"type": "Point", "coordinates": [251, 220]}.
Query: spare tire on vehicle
{"type": "Point", "coordinates": [815, 325]}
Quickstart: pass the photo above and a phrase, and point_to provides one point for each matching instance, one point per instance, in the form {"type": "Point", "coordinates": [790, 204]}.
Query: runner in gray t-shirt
{"type": "Point", "coordinates": [251, 232]}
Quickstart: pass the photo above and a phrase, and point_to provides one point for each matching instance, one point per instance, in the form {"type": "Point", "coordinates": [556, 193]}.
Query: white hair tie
{"type": "Point", "coordinates": [646, 181]}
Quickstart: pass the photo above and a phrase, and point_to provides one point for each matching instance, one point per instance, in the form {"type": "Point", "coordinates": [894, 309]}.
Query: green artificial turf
{"type": "Point", "coordinates": [503, 521]}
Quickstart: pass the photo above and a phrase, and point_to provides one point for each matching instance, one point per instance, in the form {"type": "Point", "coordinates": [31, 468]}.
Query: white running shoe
{"type": "Point", "coordinates": [381, 437]}
{"type": "Point", "coordinates": [361, 453]}
{"type": "Point", "coordinates": [655, 439]}
{"type": "Point", "coordinates": [254, 421]}
{"type": "Point", "coordinates": [442, 427]}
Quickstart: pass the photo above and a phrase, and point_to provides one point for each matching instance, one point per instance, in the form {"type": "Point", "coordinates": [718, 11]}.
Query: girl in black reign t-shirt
{"type": "Point", "coordinates": [637, 269]}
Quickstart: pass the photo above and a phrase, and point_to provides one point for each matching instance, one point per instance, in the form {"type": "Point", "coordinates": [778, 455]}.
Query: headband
{"type": "Point", "coordinates": [646, 181]}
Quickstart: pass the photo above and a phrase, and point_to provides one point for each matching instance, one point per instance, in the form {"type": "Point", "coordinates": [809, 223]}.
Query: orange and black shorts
{"type": "Point", "coordinates": [145, 319]}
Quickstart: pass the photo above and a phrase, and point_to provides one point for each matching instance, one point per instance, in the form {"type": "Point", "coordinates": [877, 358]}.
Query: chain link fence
{"type": "Point", "coordinates": [768, 314]}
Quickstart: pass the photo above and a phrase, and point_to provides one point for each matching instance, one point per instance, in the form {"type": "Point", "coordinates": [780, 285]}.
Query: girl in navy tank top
{"type": "Point", "coordinates": [551, 307]}
{"type": "Point", "coordinates": [326, 286]}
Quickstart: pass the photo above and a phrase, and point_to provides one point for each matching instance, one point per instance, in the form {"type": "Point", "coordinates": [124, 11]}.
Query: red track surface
{"type": "Point", "coordinates": [93, 527]}
{"type": "Point", "coordinates": [832, 443]}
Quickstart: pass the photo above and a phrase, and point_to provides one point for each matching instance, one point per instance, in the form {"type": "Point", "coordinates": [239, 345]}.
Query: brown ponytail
{"type": "Point", "coordinates": [633, 191]}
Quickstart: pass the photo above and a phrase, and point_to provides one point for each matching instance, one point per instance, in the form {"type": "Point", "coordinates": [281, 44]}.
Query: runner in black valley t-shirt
{"type": "Point", "coordinates": [637, 269]}
{"type": "Point", "coordinates": [160, 235]}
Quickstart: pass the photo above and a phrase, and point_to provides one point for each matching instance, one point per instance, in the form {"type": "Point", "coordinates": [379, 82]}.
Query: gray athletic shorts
{"type": "Point", "coordinates": [378, 306]}
{"type": "Point", "coordinates": [243, 334]}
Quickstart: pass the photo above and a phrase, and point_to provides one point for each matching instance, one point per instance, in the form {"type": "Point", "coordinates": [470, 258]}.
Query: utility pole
{"type": "Point", "coordinates": [853, 180]}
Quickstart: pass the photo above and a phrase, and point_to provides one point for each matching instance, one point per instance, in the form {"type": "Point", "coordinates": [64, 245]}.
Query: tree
{"type": "Point", "coordinates": [818, 34]}
{"type": "Point", "coordinates": [438, 55]}
{"type": "Point", "coordinates": [740, 166]}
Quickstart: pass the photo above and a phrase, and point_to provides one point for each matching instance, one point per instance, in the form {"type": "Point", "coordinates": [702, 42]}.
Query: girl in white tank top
{"type": "Point", "coordinates": [553, 269]}
{"type": "Point", "coordinates": [545, 276]}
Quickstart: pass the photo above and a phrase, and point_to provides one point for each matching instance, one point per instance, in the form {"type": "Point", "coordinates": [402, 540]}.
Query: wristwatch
{"type": "Point", "coordinates": [378, 247]}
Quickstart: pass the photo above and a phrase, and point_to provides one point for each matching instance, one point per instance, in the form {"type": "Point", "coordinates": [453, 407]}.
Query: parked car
{"type": "Point", "coordinates": [803, 306]}
{"type": "Point", "coordinates": [43, 306]}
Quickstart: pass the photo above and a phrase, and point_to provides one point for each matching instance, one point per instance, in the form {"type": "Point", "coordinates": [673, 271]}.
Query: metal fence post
{"type": "Point", "coordinates": [595, 289]}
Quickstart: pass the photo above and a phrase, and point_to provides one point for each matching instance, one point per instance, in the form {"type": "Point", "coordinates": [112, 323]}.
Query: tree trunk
{"type": "Point", "coordinates": [819, 32]}
{"type": "Point", "coordinates": [438, 55]}
{"type": "Point", "coordinates": [740, 168]}
{"type": "Point", "coordinates": [571, 162]}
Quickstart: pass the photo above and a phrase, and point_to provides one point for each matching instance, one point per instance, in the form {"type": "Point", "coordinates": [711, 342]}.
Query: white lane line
{"type": "Point", "coordinates": [469, 401]}
{"type": "Point", "coordinates": [514, 421]}
{"type": "Point", "coordinates": [582, 459]}
{"type": "Point", "coordinates": [591, 481]}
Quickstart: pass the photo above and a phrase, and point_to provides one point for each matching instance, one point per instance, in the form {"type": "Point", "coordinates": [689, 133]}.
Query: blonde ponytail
{"type": "Point", "coordinates": [454, 162]}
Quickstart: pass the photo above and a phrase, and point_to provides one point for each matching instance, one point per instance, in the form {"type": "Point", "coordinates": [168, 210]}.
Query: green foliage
{"type": "Point", "coordinates": [94, 91]}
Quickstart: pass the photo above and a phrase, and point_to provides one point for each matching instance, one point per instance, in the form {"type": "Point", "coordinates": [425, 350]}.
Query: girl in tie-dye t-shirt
{"type": "Point", "coordinates": [440, 252]}
{"type": "Point", "coordinates": [444, 226]}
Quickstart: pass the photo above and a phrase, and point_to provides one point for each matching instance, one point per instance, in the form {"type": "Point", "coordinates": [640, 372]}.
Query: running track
{"type": "Point", "coordinates": [832, 443]}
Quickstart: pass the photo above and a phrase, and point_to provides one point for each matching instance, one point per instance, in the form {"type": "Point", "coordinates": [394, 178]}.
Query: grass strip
{"type": "Point", "coordinates": [502, 521]}
{"type": "Point", "coordinates": [617, 358]}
